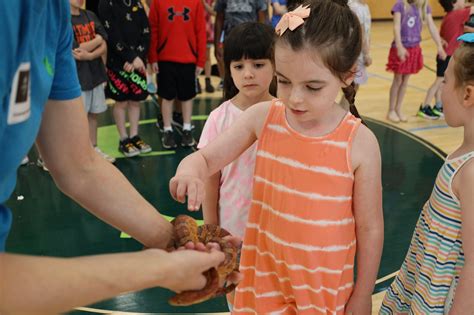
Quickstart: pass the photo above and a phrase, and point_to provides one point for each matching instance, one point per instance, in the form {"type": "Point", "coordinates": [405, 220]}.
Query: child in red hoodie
{"type": "Point", "coordinates": [177, 53]}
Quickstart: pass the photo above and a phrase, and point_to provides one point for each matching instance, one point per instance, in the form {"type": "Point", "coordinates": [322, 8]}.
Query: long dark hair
{"type": "Point", "coordinates": [250, 40]}
{"type": "Point", "coordinates": [334, 32]}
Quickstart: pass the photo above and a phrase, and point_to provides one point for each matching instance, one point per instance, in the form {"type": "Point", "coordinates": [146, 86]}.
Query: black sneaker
{"type": "Point", "coordinates": [140, 144]}
{"type": "Point", "coordinates": [426, 112]}
{"type": "Point", "coordinates": [168, 141]}
{"type": "Point", "coordinates": [187, 139]}
{"type": "Point", "coordinates": [128, 148]}
{"type": "Point", "coordinates": [438, 111]}
{"type": "Point", "coordinates": [209, 87]}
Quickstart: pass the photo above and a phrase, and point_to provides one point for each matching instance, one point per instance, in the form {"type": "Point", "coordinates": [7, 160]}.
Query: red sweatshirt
{"type": "Point", "coordinates": [178, 32]}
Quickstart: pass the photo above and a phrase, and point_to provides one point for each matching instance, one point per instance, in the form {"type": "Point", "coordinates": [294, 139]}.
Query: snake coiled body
{"type": "Point", "coordinates": [186, 230]}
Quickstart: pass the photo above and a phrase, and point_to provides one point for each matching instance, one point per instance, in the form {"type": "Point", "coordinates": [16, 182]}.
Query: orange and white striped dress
{"type": "Point", "coordinates": [300, 241]}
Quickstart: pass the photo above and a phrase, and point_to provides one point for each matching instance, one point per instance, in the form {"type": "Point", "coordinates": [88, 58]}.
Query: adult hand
{"type": "Point", "coordinates": [138, 64]}
{"type": "Point", "coordinates": [183, 185]}
{"type": "Point", "coordinates": [182, 270]}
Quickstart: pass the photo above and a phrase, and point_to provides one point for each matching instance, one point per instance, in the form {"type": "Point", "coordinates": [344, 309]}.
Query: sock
{"type": "Point", "coordinates": [124, 138]}
{"type": "Point", "coordinates": [439, 105]}
{"type": "Point", "coordinates": [168, 128]}
{"type": "Point", "coordinates": [186, 126]}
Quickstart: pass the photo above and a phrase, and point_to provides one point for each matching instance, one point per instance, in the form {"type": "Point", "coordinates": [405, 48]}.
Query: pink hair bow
{"type": "Point", "coordinates": [291, 20]}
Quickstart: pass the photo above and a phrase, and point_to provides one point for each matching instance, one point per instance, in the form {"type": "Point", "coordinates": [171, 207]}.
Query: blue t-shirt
{"type": "Point", "coordinates": [36, 64]}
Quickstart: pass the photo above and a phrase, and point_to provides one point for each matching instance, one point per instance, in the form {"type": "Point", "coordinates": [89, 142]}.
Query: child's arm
{"type": "Point", "coordinates": [367, 204]}
{"type": "Point", "coordinates": [197, 167]}
{"type": "Point", "coordinates": [208, 7]}
{"type": "Point", "coordinates": [92, 44]}
{"type": "Point", "coordinates": [279, 9]}
{"type": "Point", "coordinates": [218, 28]}
{"type": "Point", "coordinates": [435, 35]}
{"type": "Point", "coordinates": [211, 199]}
{"type": "Point", "coordinates": [463, 187]}
{"type": "Point", "coordinates": [401, 51]}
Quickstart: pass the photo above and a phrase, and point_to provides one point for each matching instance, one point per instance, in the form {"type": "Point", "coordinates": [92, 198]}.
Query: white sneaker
{"type": "Point", "coordinates": [25, 160]}
{"type": "Point", "coordinates": [107, 157]}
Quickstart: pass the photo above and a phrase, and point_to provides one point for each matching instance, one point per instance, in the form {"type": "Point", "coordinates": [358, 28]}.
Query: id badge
{"type": "Point", "coordinates": [19, 109]}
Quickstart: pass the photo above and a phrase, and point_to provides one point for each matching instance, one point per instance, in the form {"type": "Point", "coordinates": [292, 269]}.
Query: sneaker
{"type": "Point", "coordinates": [140, 144]}
{"type": "Point", "coordinates": [198, 87]}
{"type": "Point", "coordinates": [178, 122]}
{"type": "Point", "coordinates": [128, 148]}
{"type": "Point", "coordinates": [167, 140]}
{"type": "Point", "coordinates": [187, 139]}
{"type": "Point", "coordinates": [106, 157]}
{"type": "Point", "coordinates": [40, 163]}
{"type": "Point", "coordinates": [438, 111]}
{"type": "Point", "coordinates": [25, 160]}
{"type": "Point", "coordinates": [426, 112]}
{"type": "Point", "coordinates": [209, 87]}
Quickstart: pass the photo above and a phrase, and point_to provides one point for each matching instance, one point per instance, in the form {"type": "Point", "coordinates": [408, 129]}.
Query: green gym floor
{"type": "Point", "coordinates": [48, 223]}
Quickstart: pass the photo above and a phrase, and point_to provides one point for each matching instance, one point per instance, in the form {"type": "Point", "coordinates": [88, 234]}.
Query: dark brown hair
{"type": "Point", "coordinates": [464, 67]}
{"type": "Point", "coordinates": [334, 32]}
{"type": "Point", "coordinates": [250, 40]}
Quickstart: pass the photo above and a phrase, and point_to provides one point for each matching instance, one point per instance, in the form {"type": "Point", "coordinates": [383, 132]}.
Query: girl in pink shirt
{"type": "Point", "coordinates": [249, 72]}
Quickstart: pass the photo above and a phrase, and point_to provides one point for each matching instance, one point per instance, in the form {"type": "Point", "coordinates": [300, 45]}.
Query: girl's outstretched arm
{"type": "Point", "coordinates": [367, 204]}
{"type": "Point", "coordinates": [210, 203]}
{"type": "Point", "coordinates": [463, 186]}
{"type": "Point", "coordinates": [197, 167]}
{"type": "Point", "coordinates": [435, 35]}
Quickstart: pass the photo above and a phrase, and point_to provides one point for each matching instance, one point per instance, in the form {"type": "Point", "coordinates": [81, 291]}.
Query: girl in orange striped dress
{"type": "Point", "coordinates": [317, 184]}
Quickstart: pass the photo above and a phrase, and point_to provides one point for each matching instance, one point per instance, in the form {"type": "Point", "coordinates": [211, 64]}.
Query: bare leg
{"type": "Point", "coordinates": [401, 94]}
{"type": "Point", "coordinates": [166, 112]}
{"type": "Point", "coordinates": [438, 93]}
{"type": "Point", "coordinates": [187, 110]}
{"type": "Point", "coordinates": [119, 116]}
{"type": "Point", "coordinates": [433, 90]}
{"type": "Point", "coordinates": [207, 65]}
{"type": "Point", "coordinates": [92, 118]}
{"type": "Point", "coordinates": [394, 88]}
{"type": "Point", "coordinates": [133, 117]}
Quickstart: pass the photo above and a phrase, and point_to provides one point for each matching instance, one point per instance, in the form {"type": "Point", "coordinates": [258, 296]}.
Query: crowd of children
{"type": "Point", "coordinates": [257, 163]}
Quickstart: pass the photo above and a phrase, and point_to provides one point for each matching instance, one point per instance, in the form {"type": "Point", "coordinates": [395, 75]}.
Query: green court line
{"type": "Point", "coordinates": [167, 217]}
{"type": "Point", "coordinates": [108, 137]}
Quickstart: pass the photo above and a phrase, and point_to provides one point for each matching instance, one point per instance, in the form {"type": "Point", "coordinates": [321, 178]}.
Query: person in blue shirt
{"type": "Point", "coordinates": [40, 99]}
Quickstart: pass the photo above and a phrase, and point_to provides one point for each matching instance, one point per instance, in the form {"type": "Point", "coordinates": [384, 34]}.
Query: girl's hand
{"type": "Point", "coordinates": [191, 186]}
{"type": "Point", "coordinates": [81, 54]}
{"type": "Point", "coordinates": [359, 305]}
{"type": "Point", "coordinates": [402, 53]}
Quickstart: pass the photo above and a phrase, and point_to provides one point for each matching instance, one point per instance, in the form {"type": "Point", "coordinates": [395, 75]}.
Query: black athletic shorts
{"type": "Point", "coordinates": [176, 80]}
{"type": "Point", "coordinates": [441, 66]}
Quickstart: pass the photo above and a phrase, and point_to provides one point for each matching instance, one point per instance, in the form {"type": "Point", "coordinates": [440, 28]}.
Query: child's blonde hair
{"type": "Point", "coordinates": [422, 6]}
{"type": "Point", "coordinates": [464, 67]}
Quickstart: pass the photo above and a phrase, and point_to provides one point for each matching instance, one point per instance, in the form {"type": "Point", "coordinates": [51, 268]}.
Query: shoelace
{"type": "Point", "coordinates": [129, 146]}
